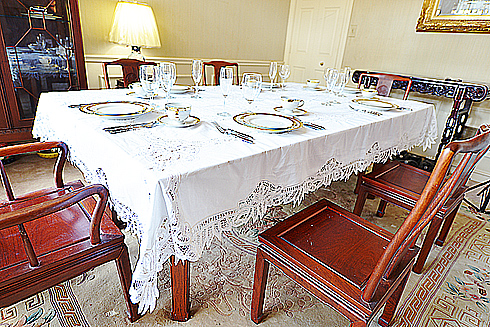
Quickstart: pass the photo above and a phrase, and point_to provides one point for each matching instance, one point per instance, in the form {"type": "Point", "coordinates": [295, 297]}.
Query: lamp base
{"type": "Point", "coordinates": [136, 53]}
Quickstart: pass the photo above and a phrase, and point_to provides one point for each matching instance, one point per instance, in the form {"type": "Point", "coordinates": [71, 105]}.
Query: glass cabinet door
{"type": "Point", "coordinates": [40, 49]}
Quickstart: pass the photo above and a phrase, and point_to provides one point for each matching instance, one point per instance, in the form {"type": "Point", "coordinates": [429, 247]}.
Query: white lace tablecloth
{"type": "Point", "coordinates": [177, 188]}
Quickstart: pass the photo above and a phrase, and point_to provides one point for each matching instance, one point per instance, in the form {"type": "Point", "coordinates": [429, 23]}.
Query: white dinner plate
{"type": "Point", "coordinates": [167, 121]}
{"type": "Point", "coordinates": [294, 112]}
{"type": "Point", "coordinates": [375, 103]}
{"type": "Point", "coordinates": [176, 89]}
{"type": "Point", "coordinates": [314, 88]}
{"type": "Point", "coordinates": [271, 123]}
{"type": "Point", "coordinates": [117, 109]}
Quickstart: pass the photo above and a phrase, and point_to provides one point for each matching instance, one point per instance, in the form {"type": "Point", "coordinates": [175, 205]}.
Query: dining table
{"type": "Point", "coordinates": [179, 185]}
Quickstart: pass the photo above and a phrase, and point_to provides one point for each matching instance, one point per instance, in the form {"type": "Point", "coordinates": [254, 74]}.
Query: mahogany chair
{"type": "Point", "coordinates": [217, 67]}
{"type": "Point", "coordinates": [385, 82]}
{"type": "Point", "coordinates": [350, 263]}
{"type": "Point", "coordinates": [51, 235]}
{"type": "Point", "coordinates": [130, 69]}
{"type": "Point", "coordinates": [402, 185]}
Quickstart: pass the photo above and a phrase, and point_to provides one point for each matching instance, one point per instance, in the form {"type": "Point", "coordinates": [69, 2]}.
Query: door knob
{"type": "Point", "coordinates": [322, 63]}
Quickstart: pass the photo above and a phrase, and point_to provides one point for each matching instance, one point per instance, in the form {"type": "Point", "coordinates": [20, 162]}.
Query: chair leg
{"type": "Point", "coordinates": [392, 303]}
{"type": "Point", "coordinates": [381, 208]}
{"type": "Point", "coordinates": [427, 245]}
{"type": "Point", "coordinates": [360, 201]}
{"type": "Point", "coordinates": [260, 283]}
{"type": "Point", "coordinates": [447, 226]}
{"type": "Point", "coordinates": [124, 269]}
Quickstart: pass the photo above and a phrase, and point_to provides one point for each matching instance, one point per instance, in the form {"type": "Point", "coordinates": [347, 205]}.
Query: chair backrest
{"type": "Point", "coordinates": [435, 194]}
{"type": "Point", "coordinates": [216, 64]}
{"type": "Point", "coordinates": [130, 69]}
{"type": "Point", "coordinates": [385, 82]}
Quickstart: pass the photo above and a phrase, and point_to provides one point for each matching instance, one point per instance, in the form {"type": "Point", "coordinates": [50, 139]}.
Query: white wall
{"type": "Point", "coordinates": [385, 40]}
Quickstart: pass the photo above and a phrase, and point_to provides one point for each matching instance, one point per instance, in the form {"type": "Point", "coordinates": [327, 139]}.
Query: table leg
{"type": "Point", "coordinates": [180, 278]}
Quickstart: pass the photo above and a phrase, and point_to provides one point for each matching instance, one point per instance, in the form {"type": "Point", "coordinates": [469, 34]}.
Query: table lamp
{"type": "Point", "coordinates": [134, 25]}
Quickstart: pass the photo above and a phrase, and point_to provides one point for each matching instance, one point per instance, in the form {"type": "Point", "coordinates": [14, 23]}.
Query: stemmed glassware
{"type": "Point", "coordinates": [196, 75]}
{"type": "Point", "coordinates": [251, 86]}
{"type": "Point", "coordinates": [339, 85]}
{"type": "Point", "coordinates": [149, 77]}
{"type": "Point", "coordinates": [168, 76]}
{"type": "Point", "coordinates": [272, 72]}
{"type": "Point", "coordinates": [331, 75]}
{"type": "Point", "coordinates": [225, 82]}
{"type": "Point", "coordinates": [284, 74]}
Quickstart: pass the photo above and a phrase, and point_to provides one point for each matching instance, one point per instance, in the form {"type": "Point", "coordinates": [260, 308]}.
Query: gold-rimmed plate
{"type": "Point", "coordinates": [375, 103]}
{"type": "Point", "coordinates": [270, 123]}
{"type": "Point", "coordinates": [117, 109]}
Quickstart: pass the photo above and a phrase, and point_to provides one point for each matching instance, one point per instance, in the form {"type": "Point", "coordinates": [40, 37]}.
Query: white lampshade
{"type": "Point", "coordinates": [134, 24]}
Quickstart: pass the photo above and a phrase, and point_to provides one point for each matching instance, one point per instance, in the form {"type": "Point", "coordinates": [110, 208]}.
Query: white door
{"type": "Point", "coordinates": [317, 33]}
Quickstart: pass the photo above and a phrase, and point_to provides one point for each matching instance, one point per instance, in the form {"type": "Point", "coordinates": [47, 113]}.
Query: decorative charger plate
{"type": "Point", "coordinates": [271, 123]}
{"type": "Point", "coordinates": [375, 104]}
{"type": "Point", "coordinates": [117, 109]}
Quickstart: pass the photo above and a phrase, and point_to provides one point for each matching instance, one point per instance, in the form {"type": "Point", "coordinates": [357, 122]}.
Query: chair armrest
{"type": "Point", "coordinates": [39, 210]}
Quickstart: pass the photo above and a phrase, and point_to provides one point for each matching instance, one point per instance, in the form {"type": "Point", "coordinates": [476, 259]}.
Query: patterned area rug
{"type": "Point", "coordinates": [452, 291]}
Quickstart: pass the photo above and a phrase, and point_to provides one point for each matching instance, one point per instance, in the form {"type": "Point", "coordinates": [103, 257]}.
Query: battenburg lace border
{"type": "Point", "coordinates": [186, 243]}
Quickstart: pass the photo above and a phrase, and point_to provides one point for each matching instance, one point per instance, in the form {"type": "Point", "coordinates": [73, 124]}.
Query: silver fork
{"type": "Point", "coordinates": [244, 137]}
{"type": "Point", "coordinates": [130, 127]}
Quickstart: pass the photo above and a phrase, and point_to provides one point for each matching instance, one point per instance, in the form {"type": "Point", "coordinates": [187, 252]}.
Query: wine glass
{"type": "Point", "coordinates": [225, 82]}
{"type": "Point", "coordinates": [251, 85]}
{"type": "Point", "coordinates": [149, 78]}
{"type": "Point", "coordinates": [168, 76]}
{"type": "Point", "coordinates": [196, 75]}
{"type": "Point", "coordinates": [339, 84]}
{"type": "Point", "coordinates": [284, 74]}
{"type": "Point", "coordinates": [272, 72]}
{"type": "Point", "coordinates": [331, 75]}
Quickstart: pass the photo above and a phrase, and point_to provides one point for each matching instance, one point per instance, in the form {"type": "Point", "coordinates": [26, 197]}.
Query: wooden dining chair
{"type": "Point", "coordinates": [402, 185]}
{"type": "Point", "coordinates": [51, 235]}
{"type": "Point", "coordinates": [217, 65]}
{"type": "Point", "coordinates": [384, 82]}
{"type": "Point", "coordinates": [130, 70]}
{"type": "Point", "coordinates": [350, 263]}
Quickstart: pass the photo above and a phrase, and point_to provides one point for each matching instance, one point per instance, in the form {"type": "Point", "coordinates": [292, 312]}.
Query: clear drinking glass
{"type": "Point", "coordinates": [251, 86]}
{"type": "Point", "coordinates": [225, 82]}
{"type": "Point", "coordinates": [339, 84]}
{"type": "Point", "coordinates": [168, 76]}
{"type": "Point", "coordinates": [272, 72]}
{"type": "Point", "coordinates": [196, 75]}
{"type": "Point", "coordinates": [149, 79]}
{"type": "Point", "coordinates": [284, 74]}
{"type": "Point", "coordinates": [331, 76]}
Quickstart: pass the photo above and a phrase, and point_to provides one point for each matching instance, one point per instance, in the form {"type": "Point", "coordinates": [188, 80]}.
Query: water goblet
{"type": "Point", "coordinates": [196, 75]}
{"type": "Point", "coordinates": [251, 86]}
{"type": "Point", "coordinates": [225, 82]}
{"type": "Point", "coordinates": [284, 74]}
{"type": "Point", "coordinates": [168, 76]}
{"type": "Point", "coordinates": [149, 78]}
{"type": "Point", "coordinates": [272, 72]}
{"type": "Point", "coordinates": [331, 76]}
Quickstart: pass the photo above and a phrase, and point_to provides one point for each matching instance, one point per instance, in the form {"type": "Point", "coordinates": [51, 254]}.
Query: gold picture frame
{"type": "Point", "coordinates": [454, 16]}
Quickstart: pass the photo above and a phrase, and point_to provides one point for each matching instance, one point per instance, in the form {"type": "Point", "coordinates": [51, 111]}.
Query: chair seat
{"type": "Point", "coordinates": [64, 248]}
{"type": "Point", "coordinates": [332, 245]}
{"type": "Point", "coordinates": [402, 185]}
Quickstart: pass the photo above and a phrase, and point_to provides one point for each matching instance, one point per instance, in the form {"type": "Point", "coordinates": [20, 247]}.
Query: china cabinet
{"type": "Point", "coordinates": [40, 50]}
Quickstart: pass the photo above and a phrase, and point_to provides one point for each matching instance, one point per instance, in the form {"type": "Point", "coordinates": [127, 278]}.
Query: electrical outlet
{"type": "Point", "coordinates": [352, 31]}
